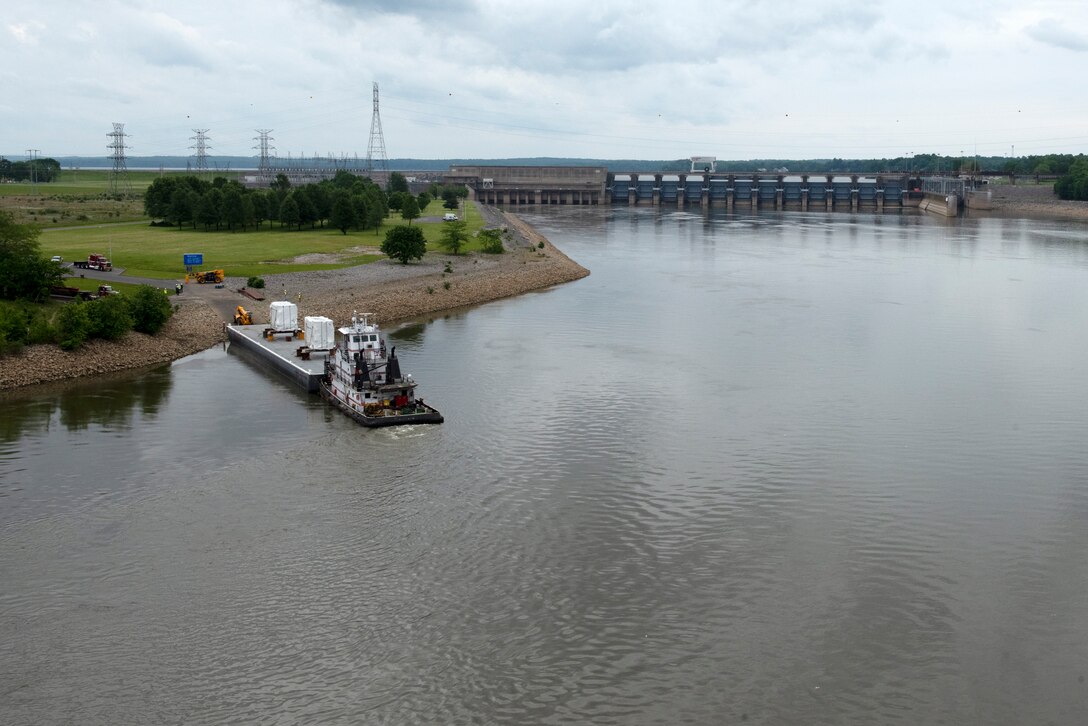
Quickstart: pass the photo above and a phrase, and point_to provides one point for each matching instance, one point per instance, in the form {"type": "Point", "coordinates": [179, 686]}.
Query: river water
{"type": "Point", "coordinates": [782, 469]}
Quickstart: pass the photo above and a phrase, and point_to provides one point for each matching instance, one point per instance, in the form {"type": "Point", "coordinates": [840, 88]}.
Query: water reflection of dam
{"type": "Point", "coordinates": [571, 185]}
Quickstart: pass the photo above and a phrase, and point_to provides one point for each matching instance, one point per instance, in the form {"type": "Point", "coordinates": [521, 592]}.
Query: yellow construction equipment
{"type": "Point", "coordinates": [242, 316]}
{"type": "Point", "coordinates": [205, 276]}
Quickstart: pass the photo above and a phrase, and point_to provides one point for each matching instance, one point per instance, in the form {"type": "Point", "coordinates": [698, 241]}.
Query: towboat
{"type": "Point", "coordinates": [367, 384]}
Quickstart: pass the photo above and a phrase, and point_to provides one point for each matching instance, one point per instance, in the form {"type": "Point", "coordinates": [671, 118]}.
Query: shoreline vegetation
{"type": "Point", "coordinates": [393, 292]}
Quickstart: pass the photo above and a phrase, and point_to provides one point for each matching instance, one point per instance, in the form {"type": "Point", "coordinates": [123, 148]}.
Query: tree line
{"type": "Point", "coordinates": [42, 170]}
{"type": "Point", "coordinates": [1074, 183]}
{"type": "Point", "coordinates": [344, 202]}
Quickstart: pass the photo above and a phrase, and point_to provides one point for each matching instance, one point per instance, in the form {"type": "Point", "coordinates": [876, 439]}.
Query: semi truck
{"type": "Point", "coordinates": [71, 293]}
{"type": "Point", "coordinates": [94, 262]}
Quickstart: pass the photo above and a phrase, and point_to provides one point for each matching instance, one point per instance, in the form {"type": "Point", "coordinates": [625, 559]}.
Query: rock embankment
{"type": "Point", "coordinates": [1033, 201]}
{"type": "Point", "coordinates": [194, 327]}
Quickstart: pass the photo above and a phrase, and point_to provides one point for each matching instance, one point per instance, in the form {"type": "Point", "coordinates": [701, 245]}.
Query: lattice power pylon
{"type": "Point", "coordinates": [375, 150]}
{"type": "Point", "coordinates": [119, 183]}
{"type": "Point", "coordinates": [201, 147]}
{"type": "Point", "coordinates": [264, 163]}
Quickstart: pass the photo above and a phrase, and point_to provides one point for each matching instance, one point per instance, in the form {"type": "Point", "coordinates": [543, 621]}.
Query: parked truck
{"type": "Point", "coordinates": [61, 292]}
{"type": "Point", "coordinates": [94, 262]}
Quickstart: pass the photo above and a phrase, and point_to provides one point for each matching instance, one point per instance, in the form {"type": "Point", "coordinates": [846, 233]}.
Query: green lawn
{"type": "Point", "coordinates": [156, 252]}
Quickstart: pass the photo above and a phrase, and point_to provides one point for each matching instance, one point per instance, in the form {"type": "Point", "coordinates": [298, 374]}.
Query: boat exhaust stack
{"type": "Point", "coordinates": [392, 366]}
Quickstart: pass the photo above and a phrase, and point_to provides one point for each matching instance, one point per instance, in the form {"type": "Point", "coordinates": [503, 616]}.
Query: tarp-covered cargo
{"type": "Point", "coordinates": [320, 335]}
{"type": "Point", "coordinates": [283, 316]}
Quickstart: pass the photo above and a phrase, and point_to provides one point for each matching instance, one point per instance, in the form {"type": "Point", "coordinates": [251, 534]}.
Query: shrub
{"type": "Point", "coordinates": [491, 241]}
{"type": "Point", "coordinates": [150, 309]}
{"type": "Point", "coordinates": [41, 330]}
{"type": "Point", "coordinates": [257, 282]}
{"type": "Point", "coordinates": [73, 325]}
{"type": "Point", "coordinates": [12, 330]}
{"type": "Point", "coordinates": [109, 317]}
{"type": "Point", "coordinates": [446, 285]}
{"type": "Point", "coordinates": [540, 245]}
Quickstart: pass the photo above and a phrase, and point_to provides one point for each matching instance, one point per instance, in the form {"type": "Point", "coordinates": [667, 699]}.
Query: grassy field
{"type": "Point", "coordinates": [78, 215]}
{"type": "Point", "coordinates": [156, 252]}
{"type": "Point", "coordinates": [79, 197]}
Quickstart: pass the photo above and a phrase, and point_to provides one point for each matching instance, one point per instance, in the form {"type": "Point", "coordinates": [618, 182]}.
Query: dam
{"type": "Point", "coordinates": [505, 186]}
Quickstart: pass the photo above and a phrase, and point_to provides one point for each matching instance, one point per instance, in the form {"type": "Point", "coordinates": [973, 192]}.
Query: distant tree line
{"type": "Point", "coordinates": [344, 202]}
{"type": "Point", "coordinates": [42, 170]}
{"type": "Point", "coordinates": [923, 164]}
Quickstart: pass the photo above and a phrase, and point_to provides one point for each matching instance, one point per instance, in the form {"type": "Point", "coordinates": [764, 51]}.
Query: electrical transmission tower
{"type": "Point", "coordinates": [31, 157]}
{"type": "Point", "coordinates": [201, 147]}
{"type": "Point", "coordinates": [119, 176]}
{"type": "Point", "coordinates": [264, 165]}
{"type": "Point", "coordinates": [375, 150]}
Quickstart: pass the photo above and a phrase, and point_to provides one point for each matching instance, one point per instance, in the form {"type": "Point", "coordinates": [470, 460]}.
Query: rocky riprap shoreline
{"type": "Point", "coordinates": [193, 327]}
{"type": "Point", "coordinates": [388, 289]}
{"type": "Point", "coordinates": [1033, 201]}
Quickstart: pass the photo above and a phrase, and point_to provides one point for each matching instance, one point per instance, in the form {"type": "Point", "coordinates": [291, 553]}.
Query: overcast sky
{"type": "Point", "coordinates": [598, 79]}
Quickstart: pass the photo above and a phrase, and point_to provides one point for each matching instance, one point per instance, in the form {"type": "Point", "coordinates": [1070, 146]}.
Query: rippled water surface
{"type": "Point", "coordinates": [795, 469]}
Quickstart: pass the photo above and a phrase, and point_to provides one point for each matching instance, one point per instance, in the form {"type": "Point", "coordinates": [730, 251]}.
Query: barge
{"type": "Point", "coordinates": [356, 374]}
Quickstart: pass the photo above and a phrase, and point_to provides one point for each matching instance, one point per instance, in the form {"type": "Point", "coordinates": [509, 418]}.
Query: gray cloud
{"type": "Point", "coordinates": [1059, 35]}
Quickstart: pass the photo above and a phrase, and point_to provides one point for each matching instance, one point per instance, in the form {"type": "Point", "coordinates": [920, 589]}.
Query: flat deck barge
{"type": "Point", "coordinates": [279, 354]}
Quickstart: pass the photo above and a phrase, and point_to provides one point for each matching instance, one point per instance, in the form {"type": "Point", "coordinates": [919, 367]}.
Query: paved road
{"type": "Point", "coordinates": [223, 300]}
{"type": "Point", "coordinates": [117, 275]}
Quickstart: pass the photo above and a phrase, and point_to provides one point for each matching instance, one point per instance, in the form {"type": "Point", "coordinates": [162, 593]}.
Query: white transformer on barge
{"type": "Point", "coordinates": [366, 384]}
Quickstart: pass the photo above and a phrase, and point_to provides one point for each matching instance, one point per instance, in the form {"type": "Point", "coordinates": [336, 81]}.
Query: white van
{"type": "Point", "coordinates": [449, 217]}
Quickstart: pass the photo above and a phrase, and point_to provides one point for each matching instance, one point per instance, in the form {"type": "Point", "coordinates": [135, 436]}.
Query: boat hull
{"type": "Point", "coordinates": [429, 415]}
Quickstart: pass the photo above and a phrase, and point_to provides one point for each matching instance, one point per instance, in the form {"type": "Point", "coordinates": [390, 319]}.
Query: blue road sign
{"type": "Point", "coordinates": [194, 259]}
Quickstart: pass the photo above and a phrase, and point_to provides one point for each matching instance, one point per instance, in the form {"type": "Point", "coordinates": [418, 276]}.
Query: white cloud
{"type": "Point", "coordinates": [1060, 35]}
{"type": "Point", "coordinates": [492, 78]}
{"type": "Point", "coordinates": [26, 33]}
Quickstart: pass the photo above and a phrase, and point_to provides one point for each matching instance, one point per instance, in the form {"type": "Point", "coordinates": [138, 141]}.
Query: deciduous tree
{"type": "Point", "coordinates": [404, 243]}
{"type": "Point", "coordinates": [454, 236]}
